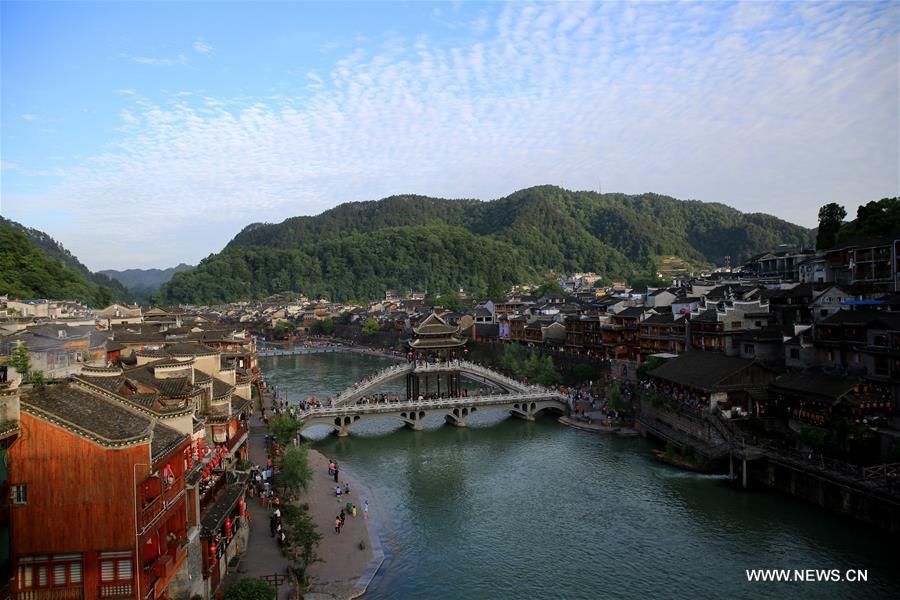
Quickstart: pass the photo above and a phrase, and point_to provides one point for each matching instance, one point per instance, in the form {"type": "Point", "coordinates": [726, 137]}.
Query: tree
{"type": "Point", "coordinates": [285, 428]}
{"type": "Point", "coordinates": [323, 327]}
{"type": "Point", "coordinates": [831, 216]}
{"type": "Point", "coordinates": [449, 301]}
{"type": "Point", "coordinates": [551, 287]}
{"type": "Point", "coordinates": [20, 360]}
{"type": "Point", "coordinates": [36, 377]}
{"type": "Point", "coordinates": [250, 588]}
{"type": "Point", "coordinates": [370, 326]}
{"type": "Point", "coordinates": [294, 470]}
{"type": "Point", "coordinates": [303, 537]}
{"type": "Point", "coordinates": [285, 328]}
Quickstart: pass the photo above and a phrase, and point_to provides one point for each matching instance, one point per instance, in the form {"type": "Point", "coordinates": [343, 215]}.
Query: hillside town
{"type": "Point", "coordinates": [794, 352]}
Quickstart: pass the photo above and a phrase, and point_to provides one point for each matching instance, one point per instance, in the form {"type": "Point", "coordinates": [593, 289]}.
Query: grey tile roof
{"type": "Point", "coordinates": [88, 415]}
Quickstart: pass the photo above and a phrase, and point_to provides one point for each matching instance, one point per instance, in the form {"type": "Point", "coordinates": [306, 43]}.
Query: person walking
{"type": "Point", "coordinates": [366, 510]}
{"type": "Point", "coordinates": [336, 474]}
{"type": "Point", "coordinates": [337, 524]}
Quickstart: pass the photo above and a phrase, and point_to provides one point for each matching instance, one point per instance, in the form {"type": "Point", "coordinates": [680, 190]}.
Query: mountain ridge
{"type": "Point", "coordinates": [33, 264]}
{"type": "Point", "coordinates": [341, 252]}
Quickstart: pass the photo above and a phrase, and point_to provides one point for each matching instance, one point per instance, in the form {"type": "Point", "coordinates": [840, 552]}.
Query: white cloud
{"type": "Point", "coordinates": [766, 111]}
{"type": "Point", "coordinates": [28, 117]}
{"type": "Point", "coordinates": [181, 59]}
{"type": "Point", "coordinates": [202, 47]}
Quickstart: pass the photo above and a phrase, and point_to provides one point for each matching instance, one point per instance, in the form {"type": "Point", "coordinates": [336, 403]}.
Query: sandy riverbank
{"type": "Point", "coordinates": [345, 570]}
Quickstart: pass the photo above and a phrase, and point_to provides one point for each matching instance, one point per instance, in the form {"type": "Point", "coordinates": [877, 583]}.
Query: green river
{"type": "Point", "coordinates": [507, 509]}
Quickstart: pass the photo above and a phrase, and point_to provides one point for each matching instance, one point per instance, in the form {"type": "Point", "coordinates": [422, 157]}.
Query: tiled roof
{"type": "Point", "coordinates": [186, 349]}
{"type": "Point", "coordinates": [221, 389]}
{"type": "Point", "coordinates": [165, 439]}
{"type": "Point", "coordinates": [701, 370]}
{"type": "Point", "coordinates": [87, 415]}
{"type": "Point", "coordinates": [814, 382]}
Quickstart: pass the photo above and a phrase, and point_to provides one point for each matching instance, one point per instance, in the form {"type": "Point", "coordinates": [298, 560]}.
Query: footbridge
{"type": "Point", "coordinates": [456, 411]}
{"type": "Point", "coordinates": [426, 377]}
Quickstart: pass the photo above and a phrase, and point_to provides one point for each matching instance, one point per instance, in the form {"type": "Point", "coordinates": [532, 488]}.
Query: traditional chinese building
{"type": "Point", "coordinates": [99, 508]}
{"type": "Point", "coordinates": [434, 338]}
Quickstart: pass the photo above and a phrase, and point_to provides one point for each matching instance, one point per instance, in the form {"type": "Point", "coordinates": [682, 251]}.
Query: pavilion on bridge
{"type": "Point", "coordinates": [434, 338]}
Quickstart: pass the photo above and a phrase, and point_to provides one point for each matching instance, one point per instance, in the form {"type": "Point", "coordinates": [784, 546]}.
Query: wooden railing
{"type": "Point", "coordinates": [154, 507]}
{"type": "Point", "coordinates": [115, 591]}
{"type": "Point", "coordinates": [59, 593]}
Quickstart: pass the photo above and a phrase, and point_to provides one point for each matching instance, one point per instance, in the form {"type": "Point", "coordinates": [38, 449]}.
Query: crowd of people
{"type": "Point", "coordinates": [677, 397]}
{"type": "Point", "coordinates": [261, 487]}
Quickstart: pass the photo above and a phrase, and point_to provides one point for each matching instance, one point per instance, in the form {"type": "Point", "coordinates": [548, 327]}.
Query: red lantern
{"type": "Point", "coordinates": [241, 507]}
{"type": "Point", "coordinates": [228, 527]}
{"type": "Point", "coordinates": [212, 550]}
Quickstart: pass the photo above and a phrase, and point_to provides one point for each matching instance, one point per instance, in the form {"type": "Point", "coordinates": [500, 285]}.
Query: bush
{"type": "Point", "coordinates": [250, 588]}
{"type": "Point", "coordinates": [285, 428]}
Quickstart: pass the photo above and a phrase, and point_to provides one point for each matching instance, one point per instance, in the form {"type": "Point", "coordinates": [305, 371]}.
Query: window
{"type": "Point", "coordinates": [58, 571]}
{"type": "Point", "coordinates": [19, 493]}
{"type": "Point", "coordinates": [749, 349]}
{"type": "Point", "coordinates": [759, 323]}
{"type": "Point", "coordinates": [795, 353]}
{"type": "Point", "coordinates": [116, 567]}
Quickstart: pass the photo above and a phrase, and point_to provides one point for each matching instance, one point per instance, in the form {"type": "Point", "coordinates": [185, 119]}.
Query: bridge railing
{"type": "Point", "coordinates": [380, 376]}
{"type": "Point", "coordinates": [425, 367]}
{"type": "Point", "coordinates": [393, 407]}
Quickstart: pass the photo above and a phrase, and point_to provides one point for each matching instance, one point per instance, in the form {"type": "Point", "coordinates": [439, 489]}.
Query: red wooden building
{"type": "Point", "coordinates": [99, 506]}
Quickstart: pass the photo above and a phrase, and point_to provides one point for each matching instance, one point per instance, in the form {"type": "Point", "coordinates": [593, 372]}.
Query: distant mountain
{"type": "Point", "coordinates": [144, 281]}
{"type": "Point", "coordinates": [358, 249]}
{"type": "Point", "coordinates": [34, 265]}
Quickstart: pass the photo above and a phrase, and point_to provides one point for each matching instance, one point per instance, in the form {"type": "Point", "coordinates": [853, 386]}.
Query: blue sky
{"type": "Point", "coordinates": [144, 135]}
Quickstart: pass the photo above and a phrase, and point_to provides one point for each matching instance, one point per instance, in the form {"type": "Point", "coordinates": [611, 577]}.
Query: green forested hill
{"type": "Point", "coordinates": [357, 249]}
{"type": "Point", "coordinates": [34, 265]}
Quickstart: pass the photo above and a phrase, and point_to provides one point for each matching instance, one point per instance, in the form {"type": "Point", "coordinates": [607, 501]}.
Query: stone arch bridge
{"type": "Point", "coordinates": [456, 411]}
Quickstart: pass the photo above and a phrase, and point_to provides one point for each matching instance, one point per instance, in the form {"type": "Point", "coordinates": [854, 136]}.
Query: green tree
{"type": "Point", "coordinates": [250, 588]}
{"type": "Point", "coordinates": [831, 216]}
{"type": "Point", "coordinates": [20, 360]}
{"type": "Point", "coordinates": [36, 377]}
{"type": "Point", "coordinates": [449, 301]}
{"type": "Point", "coordinates": [550, 287]}
{"type": "Point", "coordinates": [323, 327]}
{"type": "Point", "coordinates": [294, 470]}
{"type": "Point", "coordinates": [303, 536]}
{"type": "Point", "coordinates": [370, 326]}
{"type": "Point", "coordinates": [285, 428]}
{"type": "Point", "coordinates": [285, 328]}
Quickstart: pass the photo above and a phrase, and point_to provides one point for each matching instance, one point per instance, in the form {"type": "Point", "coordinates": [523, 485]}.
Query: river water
{"type": "Point", "coordinates": [507, 509]}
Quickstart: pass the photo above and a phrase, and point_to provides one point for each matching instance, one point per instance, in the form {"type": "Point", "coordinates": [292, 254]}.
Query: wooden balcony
{"type": "Point", "coordinates": [155, 507]}
{"type": "Point", "coordinates": [58, 593]}
{"type": "Point", "coordinates": [115, 591]}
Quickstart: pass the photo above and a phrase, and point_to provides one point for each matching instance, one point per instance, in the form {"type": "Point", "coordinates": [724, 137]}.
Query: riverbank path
{"type": "Point", "coordinates": [263, 556]}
